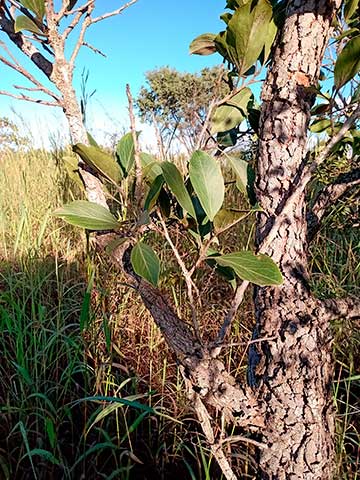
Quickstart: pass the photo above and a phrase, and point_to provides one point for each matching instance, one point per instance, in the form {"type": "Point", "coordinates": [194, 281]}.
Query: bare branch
{"type": "Point", "coordinates": [187, 276]}
{"type": "Point", "coordinates": [86, 23]}
{"type": "Point", "coordinates": [80, 12]}
{"type": "Point", "coordinates": [18, 68]}
{"type": "Point", "coordinates": [94, 49]}
{"type": "Point", "coordinates": [348, 307]}
{"type": "Point", "coordinates": [113, 13]}
{"type": "Point", "coordinates": [25, 45]}
{"type": "Point", "coordinates": [138, 171]}
{"type": "Point", "coordinates": [30, 99]}
{"type": "Point", "coordinates": [328, 196]}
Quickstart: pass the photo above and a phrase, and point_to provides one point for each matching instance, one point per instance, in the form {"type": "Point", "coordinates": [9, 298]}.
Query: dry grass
{"type": "Point", "coordinates": [61, 345]}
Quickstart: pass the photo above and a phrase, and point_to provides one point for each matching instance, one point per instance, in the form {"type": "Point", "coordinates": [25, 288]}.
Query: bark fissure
{"type": "Point", "coordinates": [292, 374]}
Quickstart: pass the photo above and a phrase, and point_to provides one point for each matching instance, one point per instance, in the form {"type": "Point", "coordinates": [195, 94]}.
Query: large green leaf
{"type": "Point", "coordinates": [350, 9]}
{"type": "Point", "coordinates": [92, 216]}
{"type": "Point", "coordinates": [208, 182]}
{"type": "Point", "coordinates": [258, 269]}
{"type": "Point", "coordinates": [125, 152]}
{"type": "Point", "coordinates": [226, 219]}
{"type": "Point", "coordinates": [23, 22]}
{"type": "Point", "coordinates": [270, 37]}
{"type": "Point", "coordinates": [348, 62]}
{"type": "Point", "coordinates": [320, 125]}
{"type": "Point", "coordinates": [244, 174]}
{"type": "Point", "coordinates": [154, 192]}
{"type": "Point", "coordinates": [175, 182]}
{"type": "Point", "coordinates": [72, 168]}
{"type": "Point", "coordinates": [231, 113]}
{"type": "Point", "coordinates": [100, 161]}
{"type": "Point", "coordinates": [145, 263]}
{"type": "Point", "coordinates": [150, 166]}
{"type": "Point", "coordinates": [248, 32]}
{"type": "Point", "coordinates": [203, 44]}
{"type": "Point", "coordinates": [35, 6]}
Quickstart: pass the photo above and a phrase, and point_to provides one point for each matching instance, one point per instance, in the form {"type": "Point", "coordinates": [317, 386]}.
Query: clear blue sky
{"type": "Point", "coordinates": [150, 34]}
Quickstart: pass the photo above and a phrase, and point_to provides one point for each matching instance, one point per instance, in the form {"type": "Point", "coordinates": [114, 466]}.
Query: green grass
{"type": "Point", "coordinates": [70, 331]}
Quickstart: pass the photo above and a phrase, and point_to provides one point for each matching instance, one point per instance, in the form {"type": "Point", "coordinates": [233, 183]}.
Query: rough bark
{"type": "Point", "coordinates": [293, 374]}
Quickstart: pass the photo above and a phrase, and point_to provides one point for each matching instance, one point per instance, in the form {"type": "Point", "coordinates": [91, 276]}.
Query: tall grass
{"type": "Point", "coordinates": [88, 388]}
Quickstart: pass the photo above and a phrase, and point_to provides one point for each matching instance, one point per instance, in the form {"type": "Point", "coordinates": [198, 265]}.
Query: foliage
{"type": "Point", "coordinates": [10, 137]}
{"type": "Point", "coordinates": [194, 202]}
{"type": "Point", "coordinates": [177, 103]}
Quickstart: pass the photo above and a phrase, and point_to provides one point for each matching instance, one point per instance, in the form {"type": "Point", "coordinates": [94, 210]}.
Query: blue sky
{"type": "Point", "coordinates": [150, 34]}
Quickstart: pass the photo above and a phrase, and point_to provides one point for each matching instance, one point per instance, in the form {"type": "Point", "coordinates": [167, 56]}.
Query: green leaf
{"type": "Point", "coordinates": [36, 6]}
{"type": "Point", "coordinates": [154, 192]}
{"type": "Point", "coordinates": [208, 182]}
{"type": "Point", "coordinates": [226, 219]}
{"type": "Point", "coordinates": [231, 113]}
{"type": "Point", "coordinates": [248, 32]}
{"type": "Point", "coordinates": [151, 168]}
{"type": "Point", "coordinates": [100, 161]}
{"type": "Point", "coordinates": [175, 182]}
{"type": "Point", "coordinates": [145, 263]}
{"type": "Point", "coordinates": [24, 23]}
{"type": "Point", "coordinates": [203, 45]}
{"type": "Point", "coordinates": [72, 168]}
{"type": "Point", "coordinates": [320, 109]}
{"type": "Point", "coordinates": [348, 62]}
{"type": "Point", "coordinates": [254, 119]}
{"type": "Point", "coordinates": [350, 8]}
{"type": "Point", "coordinates": [320, 125]}
{"type": "Point", "coordinates": [227, 139]}
{"type": "Point", "coordinates": [92, 216]}
{"type": "Point", "coordinates": [243, 173]}
{"type": "Point", "coordinates": [125, 152]}
{"type": "Point", "coordinates": [258, 269]}
{"type": "Point", "coordinates": [269, 40]}
{"type": "Point", "coordinates": [92, 140]}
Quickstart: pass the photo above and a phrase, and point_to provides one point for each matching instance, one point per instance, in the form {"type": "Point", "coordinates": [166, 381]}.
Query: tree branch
{"type": "Point", "coordinates": [7, 26]}
{"type": "Point", "coordinates": [30, 99]}
{"type": "Point", "coordinates": [138, 170]}
{"type": "Point", "coordinates": [113, 13]}
{"type": "Point", "coordinates": [208, 376]}
{"type": "Point", "coordinates": [328, 196]}
{"type": "Point", "coordinates": [348, 307]}
{"type": "Point", "coordinates": [18, 68]}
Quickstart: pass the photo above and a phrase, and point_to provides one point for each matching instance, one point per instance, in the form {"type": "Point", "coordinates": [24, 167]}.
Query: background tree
{"type": "Point", "coordinates": [10, 136]}
{"type": "Point", "coordinates": [177, 104]}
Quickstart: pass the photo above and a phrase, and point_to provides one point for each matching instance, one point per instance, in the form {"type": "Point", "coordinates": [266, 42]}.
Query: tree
{"type": "Point", "coordinates": [177, 103]}
{"type": "Point", "coordinates": [10, 137]}
{"type": "Point", "coordinates": [286, 409]}
{"type": "Point", "coordinates": [42, 32]}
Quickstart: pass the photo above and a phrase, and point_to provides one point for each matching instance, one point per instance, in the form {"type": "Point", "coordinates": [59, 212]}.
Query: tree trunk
{"type": "Point", "coordinates": [292, 375]}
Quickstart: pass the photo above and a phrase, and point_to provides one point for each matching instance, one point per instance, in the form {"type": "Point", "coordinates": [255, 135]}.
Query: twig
{"type": "Point", "coordinates": [113, 13]}
{"type": "Point", "coordinates": [14, 65]}
{"type": "Point", "coordinates": [138, 170]}
{"type": "Point", "coordinates": [216, 450]}
{"type": "Point", "coordinates": [94, 49]}
{"type": "Point", "coordinates": [86, 23]}
{"type": "Point", "coordinates": [186, 274]}
{"type": "Point", "coordinates": [29, 99]}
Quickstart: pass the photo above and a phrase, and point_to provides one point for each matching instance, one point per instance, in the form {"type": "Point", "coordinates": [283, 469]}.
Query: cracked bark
{"type": "Point", "coordinates": [292, 375]}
